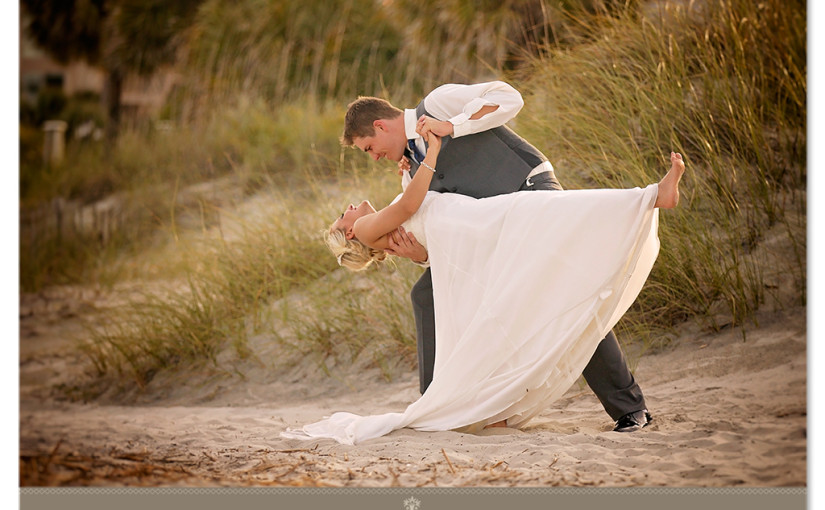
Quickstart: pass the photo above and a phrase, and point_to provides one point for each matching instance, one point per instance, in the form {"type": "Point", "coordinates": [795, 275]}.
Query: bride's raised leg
{"type": "Point", "coordinates": [668, 196]}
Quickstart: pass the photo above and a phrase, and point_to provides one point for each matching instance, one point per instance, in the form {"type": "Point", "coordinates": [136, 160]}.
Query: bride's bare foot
{"type": "Point", "coordinates": [668, 195]}
{"type": "Point", "coordinates": [502, 423]}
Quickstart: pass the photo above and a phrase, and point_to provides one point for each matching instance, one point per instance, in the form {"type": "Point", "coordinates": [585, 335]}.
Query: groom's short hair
{"type": "Point", "coordinates": [361, 113]}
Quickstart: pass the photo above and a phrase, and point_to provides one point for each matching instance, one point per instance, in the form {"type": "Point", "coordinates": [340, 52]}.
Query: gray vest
{"type": "Point", "coordinates": [484, 164]}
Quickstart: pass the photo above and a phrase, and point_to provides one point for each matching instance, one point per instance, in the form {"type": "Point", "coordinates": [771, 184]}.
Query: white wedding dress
{"type": "Point", "coordinates": [525, 287]}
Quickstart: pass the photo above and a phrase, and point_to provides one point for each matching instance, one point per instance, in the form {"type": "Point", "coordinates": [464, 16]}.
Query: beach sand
{"type": "Point", "coordinates": [729, 410]}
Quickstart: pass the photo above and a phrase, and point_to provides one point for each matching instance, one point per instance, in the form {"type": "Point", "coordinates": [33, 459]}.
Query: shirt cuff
{"type": "Point", "coordinates": [459, 123]}
{"type": "Point", "coordinates": [461, 126]}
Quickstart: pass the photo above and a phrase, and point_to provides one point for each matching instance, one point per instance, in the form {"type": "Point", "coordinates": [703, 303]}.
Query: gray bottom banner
{"type": "Point", "coordinates": [411, 499]}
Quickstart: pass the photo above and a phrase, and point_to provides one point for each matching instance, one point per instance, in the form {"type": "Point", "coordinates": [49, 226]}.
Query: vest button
{"type": "Point", "coordinates": [454, 189]}
{"type": "Point", "coordinates": [440, 176]}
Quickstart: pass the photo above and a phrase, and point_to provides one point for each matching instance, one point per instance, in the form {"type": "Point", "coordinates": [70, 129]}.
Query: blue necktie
{"type": "Point", "coordinates": [416, 154]}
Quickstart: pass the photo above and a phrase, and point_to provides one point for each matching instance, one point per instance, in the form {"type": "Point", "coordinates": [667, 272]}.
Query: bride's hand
{"type": "Point", "coordinates": [427, 124]}
{"type": "Point", "coordinates": [432, 130]}
{"type": "Point", "coordinates": [433, 143]}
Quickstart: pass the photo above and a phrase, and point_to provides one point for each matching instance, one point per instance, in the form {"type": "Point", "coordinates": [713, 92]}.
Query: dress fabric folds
{"type": "Point", "coordinates": [525, 287]}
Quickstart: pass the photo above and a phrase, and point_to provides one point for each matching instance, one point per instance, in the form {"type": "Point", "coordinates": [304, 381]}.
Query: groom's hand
{"type": "Point", "coordinates": [403, 244]}
{"type": "Point", "coordinates": [403, 165]}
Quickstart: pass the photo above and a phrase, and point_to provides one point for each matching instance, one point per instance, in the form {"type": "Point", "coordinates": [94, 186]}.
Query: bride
{"type": "Point", "coordinates": [517, 316]}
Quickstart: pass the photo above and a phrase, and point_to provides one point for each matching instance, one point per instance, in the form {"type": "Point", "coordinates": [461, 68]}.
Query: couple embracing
{"type": "Point", "coordinates": [523, 282]}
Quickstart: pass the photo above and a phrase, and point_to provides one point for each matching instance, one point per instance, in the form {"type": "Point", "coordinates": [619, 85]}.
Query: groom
{"type": "Point", "coordinates": [479, 157]}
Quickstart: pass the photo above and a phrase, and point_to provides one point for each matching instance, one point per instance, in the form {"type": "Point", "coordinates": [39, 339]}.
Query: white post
{"type": "Point", "coordinates": [54, 143]}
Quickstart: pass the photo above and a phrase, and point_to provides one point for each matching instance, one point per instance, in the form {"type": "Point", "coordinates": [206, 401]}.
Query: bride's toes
{"type": "Point", "coordinates": [676, 161]}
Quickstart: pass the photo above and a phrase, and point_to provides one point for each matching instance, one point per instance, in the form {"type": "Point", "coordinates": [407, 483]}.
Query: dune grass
{"type": "Point", "coordinates": [721, 82]}
{"type": "Point", "coordinates": [724, 84]}
{"type": "Point", "coordinates": [259, 272]}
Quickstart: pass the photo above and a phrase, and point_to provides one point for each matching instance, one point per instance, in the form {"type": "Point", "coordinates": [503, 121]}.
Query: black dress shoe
{"type": "Point", "coordinates": [632, 422]}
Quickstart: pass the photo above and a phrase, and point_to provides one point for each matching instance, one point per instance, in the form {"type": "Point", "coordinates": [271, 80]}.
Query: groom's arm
{"type": "Point", "coordinates": [468, 109]}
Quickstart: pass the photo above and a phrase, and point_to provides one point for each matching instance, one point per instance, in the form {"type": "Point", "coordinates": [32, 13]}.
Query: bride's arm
{"type": "Point", "coordinates": [369, 229]}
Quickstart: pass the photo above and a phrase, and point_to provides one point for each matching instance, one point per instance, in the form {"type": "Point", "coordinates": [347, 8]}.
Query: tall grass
{"type": "Point", "coordinates": [225, 286]}
{"type": "Point", "coordinates": [722, 82]}
{"type": "Point", "coordinates": [236, 270]}
{"type": "Point", "coordinates": [344, 318]}
{"type": "Point", "coordinates": [282, 50]}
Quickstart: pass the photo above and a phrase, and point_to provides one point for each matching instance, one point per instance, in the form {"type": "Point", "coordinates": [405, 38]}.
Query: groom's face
{"type": "Point", "coordinates": [383, 144]}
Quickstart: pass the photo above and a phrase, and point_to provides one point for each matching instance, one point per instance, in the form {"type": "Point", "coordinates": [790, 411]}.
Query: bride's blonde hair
{"type": "Point", "coordinates": [351, 253]}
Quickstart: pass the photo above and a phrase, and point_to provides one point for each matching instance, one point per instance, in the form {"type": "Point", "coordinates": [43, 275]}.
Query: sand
{"type": "Point", "coordinates": [729, 410]}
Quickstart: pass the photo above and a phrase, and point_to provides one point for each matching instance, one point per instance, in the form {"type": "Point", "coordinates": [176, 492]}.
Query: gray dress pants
{"type": "Point", "coordinates": [606, 373]}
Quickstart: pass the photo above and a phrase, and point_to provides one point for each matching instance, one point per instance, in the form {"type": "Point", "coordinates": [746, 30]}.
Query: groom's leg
{"type": "Point", "coordinates": [424, 312]}
{"type": "Point", "coordinates": [610, 379]}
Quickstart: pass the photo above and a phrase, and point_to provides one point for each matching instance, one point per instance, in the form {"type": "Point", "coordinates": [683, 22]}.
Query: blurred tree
{"type": "Point", "coordinates": [121, 36]}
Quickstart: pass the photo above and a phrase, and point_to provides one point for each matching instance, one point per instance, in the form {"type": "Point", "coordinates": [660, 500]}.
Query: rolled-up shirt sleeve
{"type": "Point", "coordinates": [457, 103]}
